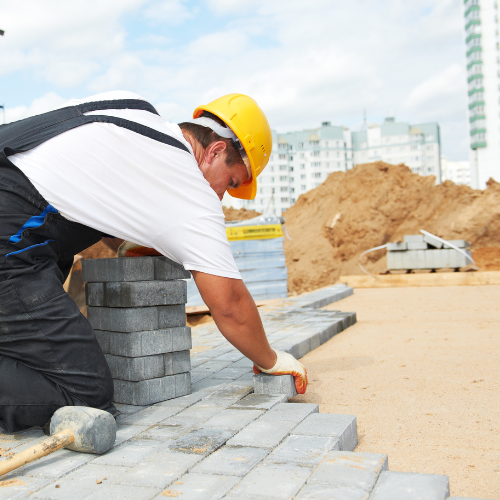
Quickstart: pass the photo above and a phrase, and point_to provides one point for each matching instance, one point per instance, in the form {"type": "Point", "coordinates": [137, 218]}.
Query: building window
{"type": "Point", "coordinates": [282, 157]}
{"type": "Point", "coordinates": [272, 169]}
{"type": "Point", "coordinates": [302, 166]}
{"type": "Point", "coordinates": [303, 176]}
{"type": "Point", "coordinates": [313, 143]}
{"type": "Point", "coordinates": [292, 179]}
{"type": "Point", "coordinates": [282, 146]}
{"type": "Point", "coordinates": [283, 167]}
{"type": "Point", "coordinates": [315, 153]}
{"type": "Point", "coordinates": [290, 158]}
{"type": "Point", "coordinates": [327, 154]}
{"type": "Point", "coordinates": [301, 144]}
{"type": "Point", "coordinates": [283, 178]}
{"type": "Point", "coordinates": [430, 159]}
{"type": "Point", "coordinates": [316, 175]}
{"type": "Point", "coordinates": [290, 169]}
{"type": "Point", "coordinates": [316, 164]}
{"type": "Point", "coordinates": [301, 155]}
{"type": "Point", "coordinates": [284, 200]}
{"type": "Point", "coordinates": [272, 179]}
{"type": "Point", "coordinates": [284, 189]}
{"type": "Point", "coordinates": [293, 200]}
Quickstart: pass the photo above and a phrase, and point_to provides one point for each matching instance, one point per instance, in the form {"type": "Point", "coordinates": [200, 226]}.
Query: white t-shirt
{"type": "Point", "coordinates": [130, 186]}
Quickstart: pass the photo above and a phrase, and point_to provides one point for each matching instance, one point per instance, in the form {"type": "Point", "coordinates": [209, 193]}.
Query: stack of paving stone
{"type": "Point", "coordinates": [425, 252]}
{"type": "Point", "coordinates": [137, 308]}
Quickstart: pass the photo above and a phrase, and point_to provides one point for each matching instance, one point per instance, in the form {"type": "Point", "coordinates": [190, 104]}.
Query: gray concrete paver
{"type": "Point", "coordinates": [271, 482]}
{"type": "Point", "coordinates": [80, 484]}
{"type": "Point", "coordinates": [410, 486]}
{"type": "Point", "coordinates": [326, 424]}
{"type": "Point", "coordinates": [123, 492]}
{"type": "Point", "coordinates": [149, 416]}
{"type": "Point", "coordinates": [306, 451]}
{"type": "Point", "coordinates": [201, 441]}
{"type": "Point", "coordinates": [159, 470]}
{"type": "Point", "coordinates": [259, 402]}
{"type": "Point", "coordinates": [261, 433]}
{"type": "Point", "coordinates": [345, 474]}
{"type": "Point", "coordinates": [18, 485]}
{"type": "Point", "coordinates": [232, 419]}
{"type": "Point", "coordinates": [126, 432]}
{"type": "Point", "coordinates": [56, 464]}
{"type": "Point", "coordinates": [129, 453]}
{"type": "Point", "coordinates": [231, 461]}
{"type": "Point", "coordinates": [193, 486]}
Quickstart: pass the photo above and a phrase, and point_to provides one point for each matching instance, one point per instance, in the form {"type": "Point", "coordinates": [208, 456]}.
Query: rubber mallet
{"type": "Point", "coordinates": [77, 428]}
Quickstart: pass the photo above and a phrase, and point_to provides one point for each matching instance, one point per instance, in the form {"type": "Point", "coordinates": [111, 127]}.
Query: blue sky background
{"type": "Point", "coordinates": [304, 62]}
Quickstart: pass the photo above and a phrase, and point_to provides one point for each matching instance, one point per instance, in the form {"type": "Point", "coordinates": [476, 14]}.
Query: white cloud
{"type": "Point", "coordinates": [304, 62]}
{"type": "Point", "coordinates": [168, 12]}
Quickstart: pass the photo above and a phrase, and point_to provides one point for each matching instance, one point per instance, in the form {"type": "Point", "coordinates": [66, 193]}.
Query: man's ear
{"type": "Point", "coordinates": [215, 149]}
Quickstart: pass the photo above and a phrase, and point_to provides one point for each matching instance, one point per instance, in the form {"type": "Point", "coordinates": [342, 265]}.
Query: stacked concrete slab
{"type": "Point", "coordinates": [420, 251]}
{"type": "Point", "coordinates": [137, 309]}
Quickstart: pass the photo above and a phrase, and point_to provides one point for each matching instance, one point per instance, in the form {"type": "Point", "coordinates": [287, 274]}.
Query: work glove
{"type": "Point", "coordinates": [286, 364]}
{"type": "Point", "coordinates": [129, 249]}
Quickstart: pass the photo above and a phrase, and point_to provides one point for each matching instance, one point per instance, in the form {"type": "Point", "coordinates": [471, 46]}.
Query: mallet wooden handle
{"type": "Point", "coordinates": [51, 444]}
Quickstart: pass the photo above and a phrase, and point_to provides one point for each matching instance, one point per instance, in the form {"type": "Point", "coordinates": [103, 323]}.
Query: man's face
{"type": "Point", "coordinates": [220, 176]}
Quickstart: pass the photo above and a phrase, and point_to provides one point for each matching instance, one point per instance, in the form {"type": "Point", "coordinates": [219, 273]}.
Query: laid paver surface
{"type": "Point", "coordinates": [221, 441]}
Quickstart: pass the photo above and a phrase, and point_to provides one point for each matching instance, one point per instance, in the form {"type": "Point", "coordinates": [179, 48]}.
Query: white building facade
{"type": "Point", "coordinates": [301, 161]}
{"type": "Point", "coordinates": [483, 77]}
{"type": "Point", "coordinates": [458, 172]}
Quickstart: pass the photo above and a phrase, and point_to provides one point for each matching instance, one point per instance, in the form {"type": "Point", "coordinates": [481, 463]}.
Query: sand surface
{"type": "Point", "coordinates": [420, 370]}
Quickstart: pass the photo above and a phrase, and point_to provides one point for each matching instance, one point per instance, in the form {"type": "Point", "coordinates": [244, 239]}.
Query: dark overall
{"type": "Point", "coordinates": [49, 356]}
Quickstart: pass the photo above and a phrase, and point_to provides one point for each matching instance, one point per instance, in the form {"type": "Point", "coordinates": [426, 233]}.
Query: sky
{"type": "Point", "coordinates": [304, 62]}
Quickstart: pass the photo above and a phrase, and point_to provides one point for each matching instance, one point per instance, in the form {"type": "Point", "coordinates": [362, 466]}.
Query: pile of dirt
{"type": "Point", "coordinates": [376, 203]}
{"type": "Point", "coordinates": [232, 214]}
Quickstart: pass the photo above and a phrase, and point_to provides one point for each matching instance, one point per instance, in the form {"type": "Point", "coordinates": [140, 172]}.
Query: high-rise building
{"type": "Point", "coordinates": [483, 77]}
{"type": "Point", "coordinates": [455, 171]}
{"type": "Point", "coordinates": [301, 161]}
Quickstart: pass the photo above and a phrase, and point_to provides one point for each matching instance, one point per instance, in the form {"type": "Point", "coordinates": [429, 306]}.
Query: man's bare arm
{"type": "Point", "coordinates": [235, 313]}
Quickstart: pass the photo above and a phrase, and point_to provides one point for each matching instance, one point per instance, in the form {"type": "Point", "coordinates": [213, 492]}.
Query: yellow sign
{"type": "Point", "coordinates": [254, 232]}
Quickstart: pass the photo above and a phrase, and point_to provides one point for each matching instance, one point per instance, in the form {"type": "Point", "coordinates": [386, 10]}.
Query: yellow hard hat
{"type": "Point", "coordinates": [245, 118]}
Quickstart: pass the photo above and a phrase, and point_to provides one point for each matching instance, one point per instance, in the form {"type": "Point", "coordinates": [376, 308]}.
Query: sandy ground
{"type": "Point", "coordinates": [420, 370]}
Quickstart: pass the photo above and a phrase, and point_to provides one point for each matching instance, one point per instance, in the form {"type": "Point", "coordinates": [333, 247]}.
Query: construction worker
{"type": "Point", "coordinates": [110, 166]}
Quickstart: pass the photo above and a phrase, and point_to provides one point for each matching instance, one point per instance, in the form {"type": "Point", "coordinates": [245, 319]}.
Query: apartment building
{"type": "Point", "coordinates": [483, 78]}
{"type": "Point", "coordinates": [456, 171]}
{"type": "Point", "coordinates": [302, 160]}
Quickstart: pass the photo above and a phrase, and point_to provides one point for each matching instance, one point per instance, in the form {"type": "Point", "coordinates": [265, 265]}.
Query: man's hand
{"type": "Point", "coordinates": [286, 364]}
{"type": "Point", "coordinates": [129, 249]}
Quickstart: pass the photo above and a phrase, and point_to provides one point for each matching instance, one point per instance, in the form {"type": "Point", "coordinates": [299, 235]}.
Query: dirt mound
{"type": "Point", "coordinates": [487, 259]}
{"type": "Point", "coordinates": [239, 214]}
{"type": "Point", "coordinates": [371, 205]}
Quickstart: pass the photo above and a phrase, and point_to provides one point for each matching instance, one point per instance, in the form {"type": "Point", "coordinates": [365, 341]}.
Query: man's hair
{"type": "Point", "coordinates": [205, 136]}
